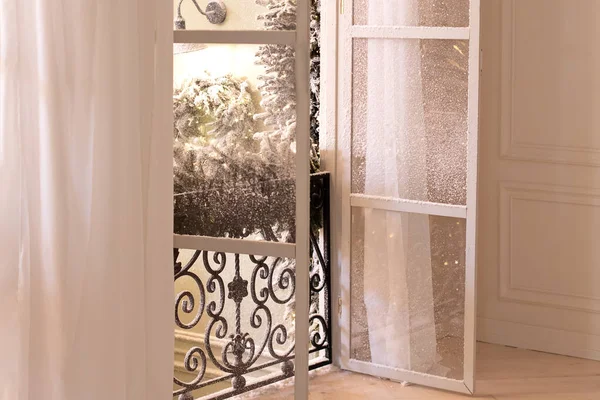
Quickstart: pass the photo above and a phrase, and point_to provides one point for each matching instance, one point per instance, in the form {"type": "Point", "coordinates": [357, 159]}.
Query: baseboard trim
{"type": "Point", "coordinates": [538, 338]}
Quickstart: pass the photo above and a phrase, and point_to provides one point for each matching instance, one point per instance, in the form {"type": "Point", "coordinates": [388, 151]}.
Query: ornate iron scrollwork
{"type": "Point", "coordinates": [271, 284]}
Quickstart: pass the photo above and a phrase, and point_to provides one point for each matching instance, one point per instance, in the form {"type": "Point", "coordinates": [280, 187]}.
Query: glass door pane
{"type": "Point", "coordinates": [409, 119]}
{"type": "Point", "coordinates": [234, 158]}
{"type": "Point", "coordinates": [453, 13]}
{"type": "Point", "coordinates": [408, 291]}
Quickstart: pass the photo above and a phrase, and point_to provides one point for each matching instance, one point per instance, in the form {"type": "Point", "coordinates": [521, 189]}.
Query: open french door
{"type": "Point", "coordinates": [234, 289]}
{"type": "Point", "coordinates": [407, 159]}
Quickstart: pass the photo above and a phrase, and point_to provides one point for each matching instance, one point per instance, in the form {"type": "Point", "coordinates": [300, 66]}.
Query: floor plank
{"type": "Point", "coordinates": [503, 373]}
{"type": "Point", "coordinates": [516, 374]}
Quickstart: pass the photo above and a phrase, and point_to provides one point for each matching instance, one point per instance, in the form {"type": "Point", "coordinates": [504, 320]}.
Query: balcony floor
{"type": "Point", "coordinates": [503, 373]}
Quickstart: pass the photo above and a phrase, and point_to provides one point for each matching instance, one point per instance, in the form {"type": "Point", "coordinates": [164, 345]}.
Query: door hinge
{"type": "Point", "coordinates": [341, 6]}
{"type": "Point", "coordinates": [339, 307]}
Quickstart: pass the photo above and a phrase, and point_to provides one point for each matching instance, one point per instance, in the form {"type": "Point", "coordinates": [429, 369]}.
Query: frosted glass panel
{"type": "Point", "coordinates": [240, 15]}
{"type": "Point", "coordinates": [408, 291]}
{"type": "Point", "coordinates": [453, 13]}
{"type": "Point", "coordinates": [234, 159]}
{"type": "Point", "coordinates": [409, 119]}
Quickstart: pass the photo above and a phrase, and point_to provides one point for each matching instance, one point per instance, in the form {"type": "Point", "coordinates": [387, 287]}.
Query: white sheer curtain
{"type": "Point", "coordinates": [398, 290]}
{"type": "Point", "coordinates": [86, 285]}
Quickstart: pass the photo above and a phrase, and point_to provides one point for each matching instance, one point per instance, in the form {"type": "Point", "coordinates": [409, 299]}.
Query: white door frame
{"type": "Point", "coordinates": [300, 251]}
{"type": "Point", "coordinates": [328, 151]}
{"type": "Point", "coordinates": [338, 33]}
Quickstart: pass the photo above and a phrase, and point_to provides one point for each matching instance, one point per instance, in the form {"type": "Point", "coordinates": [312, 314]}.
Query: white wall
{"type": "Point", "coordinates": [539, 176]}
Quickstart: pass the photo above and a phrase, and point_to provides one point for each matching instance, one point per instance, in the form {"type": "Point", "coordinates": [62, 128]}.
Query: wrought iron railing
{"type": "Point", "coordinates": [244, 305]}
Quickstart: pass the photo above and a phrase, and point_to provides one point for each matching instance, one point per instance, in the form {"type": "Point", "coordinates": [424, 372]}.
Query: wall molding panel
{"type": "Point", "coordinates": [528, 257]}
{"type": "Point", "coordinates": [516, 141]}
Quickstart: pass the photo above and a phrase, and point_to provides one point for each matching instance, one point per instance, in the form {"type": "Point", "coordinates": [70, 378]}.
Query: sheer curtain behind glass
{"type": "Point", "coordinates": [398, 293]}
{"type": "Point", "coordinates": [85, 200]}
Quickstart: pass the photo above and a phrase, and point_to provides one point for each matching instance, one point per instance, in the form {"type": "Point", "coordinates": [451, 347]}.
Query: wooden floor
{"type": "Point", "coordinates": [503, 373]}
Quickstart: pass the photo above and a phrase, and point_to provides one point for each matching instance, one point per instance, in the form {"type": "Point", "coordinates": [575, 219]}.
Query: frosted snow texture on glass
{"type": "Point", "coordinates": [234, 142]}
{"type": "Point", "coordinates": [451, 13]}
{"type": "Point", "coordinates": [408, 291]}
{"type": "Point", "coordinates": [409, 119]}
{"type": "Point", "coordinates": [240, 15]}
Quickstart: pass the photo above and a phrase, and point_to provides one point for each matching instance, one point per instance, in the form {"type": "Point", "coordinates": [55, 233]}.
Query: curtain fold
{"type": "Point", "coordinates": [85, 200]}
{"type": "Point", "coordinates": [398, 292]}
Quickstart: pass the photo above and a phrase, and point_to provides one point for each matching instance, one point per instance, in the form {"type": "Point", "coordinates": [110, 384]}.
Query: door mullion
{"type": "Point", "coordinates": [409, 32]}
{"type": "Point", "coordinates": [302, 36]}
{"type": "Point", "coordinates": [235, 37]}
{"type": "Point", "coordinates": [410, 206]}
